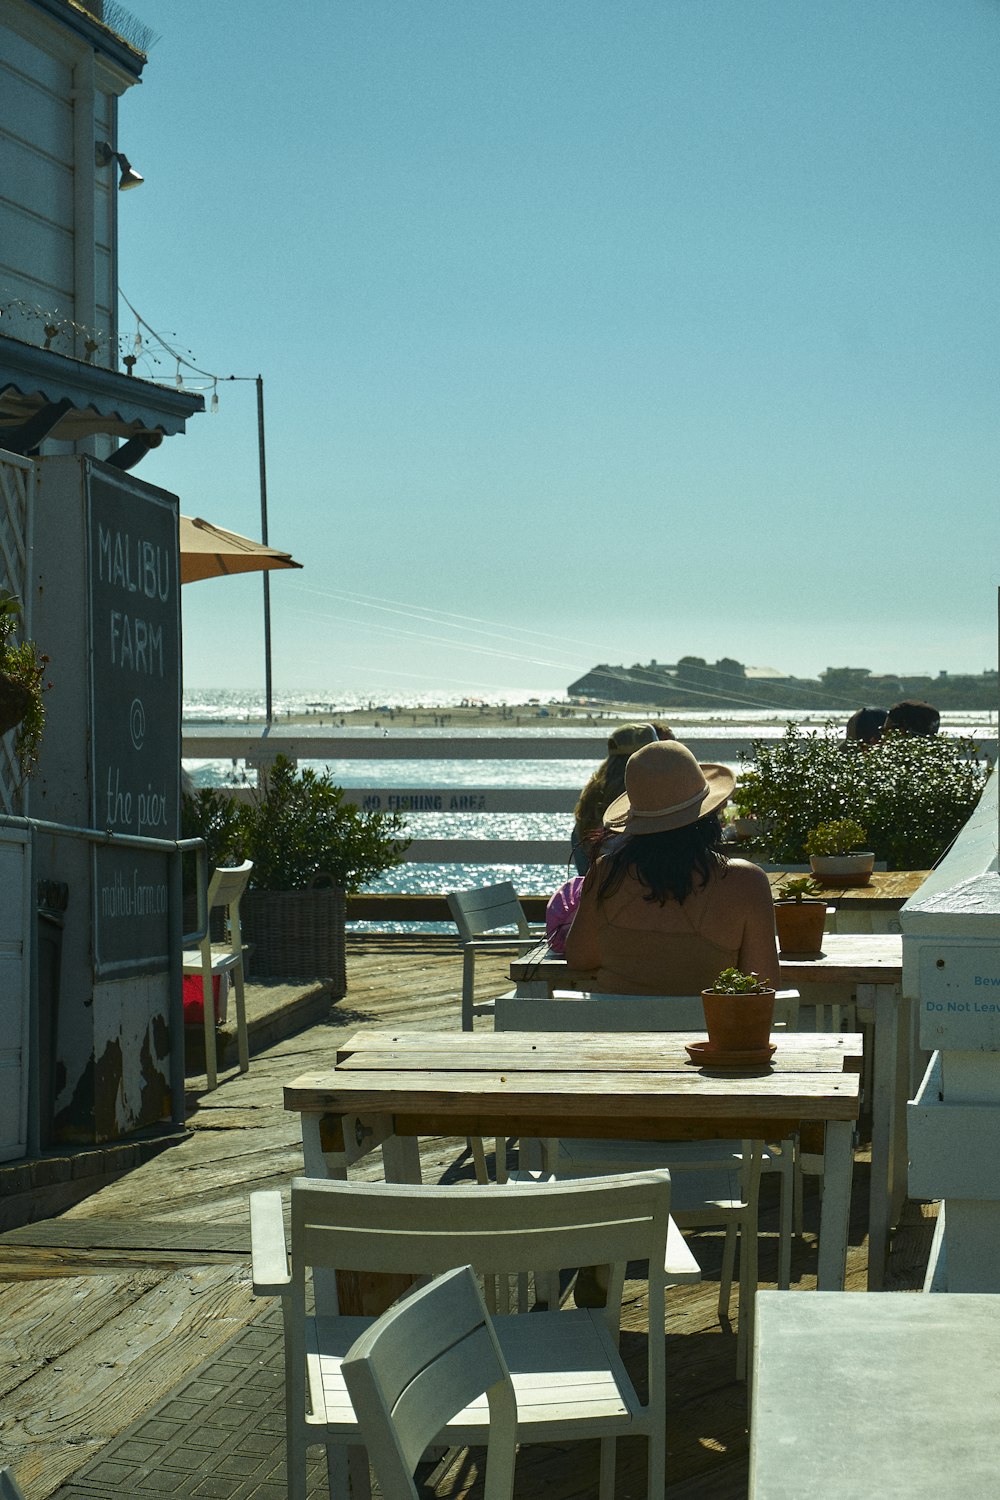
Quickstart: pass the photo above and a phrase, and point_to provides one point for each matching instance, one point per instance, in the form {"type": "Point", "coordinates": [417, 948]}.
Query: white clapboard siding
{"type": "Point", "coordinates": [41, 188]}
{"type": "Point", "coordinates": [46, 248]}
{"type": "Point", "coordinates": [16, 915]}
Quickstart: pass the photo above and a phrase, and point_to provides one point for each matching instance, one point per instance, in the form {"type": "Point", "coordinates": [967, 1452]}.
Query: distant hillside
{"type": "Point", "coordinates": [693, 682]}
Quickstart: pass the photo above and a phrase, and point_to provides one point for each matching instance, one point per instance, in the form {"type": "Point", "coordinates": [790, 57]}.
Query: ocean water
{"type": "Point", "coordinates": [221, 707]}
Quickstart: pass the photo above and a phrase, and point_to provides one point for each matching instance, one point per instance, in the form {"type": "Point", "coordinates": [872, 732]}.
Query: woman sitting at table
{"type": "Point", "coordinates": [665, 911]}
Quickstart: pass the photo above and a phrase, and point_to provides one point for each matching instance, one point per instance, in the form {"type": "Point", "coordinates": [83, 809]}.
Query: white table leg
{"type": "Point", "coordinates": [401, 1159]}
{"type": "Point", "coordinates": [838, 1164]}
{"type": "Point", "coordinates": [890, 1089]}
{"type": "Point", "coordinates": [317, 1162]}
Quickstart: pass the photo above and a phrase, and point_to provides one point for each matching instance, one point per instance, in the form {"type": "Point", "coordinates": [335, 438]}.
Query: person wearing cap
{"type": "Point", "coordinates": [664, 911]}
{"type": "Point", "coordinates": [866, 725]}
{"type": "Point", "coordinates": [912, 717]}
{"type": "Point", "coordinates": [607, 783]}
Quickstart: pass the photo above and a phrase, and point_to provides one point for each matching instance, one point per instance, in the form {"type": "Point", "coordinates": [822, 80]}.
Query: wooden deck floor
{"type": "Point", "coordinates": [106, 1308]}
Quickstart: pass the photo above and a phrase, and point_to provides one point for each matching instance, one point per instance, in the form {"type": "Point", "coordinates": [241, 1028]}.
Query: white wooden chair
{"type": "Point", "coordinates": [422, 1363]}
{"type": "Point", "coordinates": [568, 1376]}
{"type": "Point", "coordinates": [208, 959]}
{"type": "Point", "coordinates": [480, 915]}
{"type": "Point", "coordinates": [715, 1182]}
{"type": "Point", "coordinates": [9, 1488]}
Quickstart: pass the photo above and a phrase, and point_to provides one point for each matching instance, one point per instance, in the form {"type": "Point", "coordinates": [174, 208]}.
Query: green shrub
{"type": "Point", "coordinates": [215, 817]}
{"type": "Point", "coordinates": [298, 830]}
{"type": "Point", "coordinates": [913, 794]}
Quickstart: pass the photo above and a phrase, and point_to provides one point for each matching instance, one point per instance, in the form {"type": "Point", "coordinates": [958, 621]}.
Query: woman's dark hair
{"type": "Point", "coordinates": [671, 865]}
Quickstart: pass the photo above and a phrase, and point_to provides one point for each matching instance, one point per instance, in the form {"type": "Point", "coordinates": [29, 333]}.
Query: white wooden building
{"type": "Point", "coordinates": [87, 1045]}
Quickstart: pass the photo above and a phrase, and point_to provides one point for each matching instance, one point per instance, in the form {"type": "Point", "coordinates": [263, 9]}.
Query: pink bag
{"type": "Point", "coordinates": [560, 911]}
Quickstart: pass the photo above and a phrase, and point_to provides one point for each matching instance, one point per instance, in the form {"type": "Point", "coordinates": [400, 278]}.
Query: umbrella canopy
{"type": "Point", "coordinates": [208, 551]}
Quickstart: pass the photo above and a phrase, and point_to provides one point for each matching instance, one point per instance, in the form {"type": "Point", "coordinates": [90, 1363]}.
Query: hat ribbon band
{"type": "Point", "coordinates": [661, 812]}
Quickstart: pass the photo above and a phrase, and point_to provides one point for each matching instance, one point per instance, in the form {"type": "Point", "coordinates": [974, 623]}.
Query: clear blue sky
{"type": "Point", "coordinates": [591, 330]}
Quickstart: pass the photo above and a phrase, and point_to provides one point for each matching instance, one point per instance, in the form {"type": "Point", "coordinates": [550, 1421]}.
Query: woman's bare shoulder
{"type": "Point", "coordinates": [745, 875]}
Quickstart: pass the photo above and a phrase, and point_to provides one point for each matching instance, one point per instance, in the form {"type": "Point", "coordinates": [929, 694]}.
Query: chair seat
{"type": "Point", "coordinates": [569, 1379]}
{"type": "Point", "coordinates": [223, 958]}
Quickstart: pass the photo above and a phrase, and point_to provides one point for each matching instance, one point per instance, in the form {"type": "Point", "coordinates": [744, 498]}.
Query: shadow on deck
{"type": "Point", "coordinates": [129, 1320]}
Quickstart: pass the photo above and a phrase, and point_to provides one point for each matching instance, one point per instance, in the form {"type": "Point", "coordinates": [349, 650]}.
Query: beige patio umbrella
{"type": "Point", "coordinates": [209, 551]}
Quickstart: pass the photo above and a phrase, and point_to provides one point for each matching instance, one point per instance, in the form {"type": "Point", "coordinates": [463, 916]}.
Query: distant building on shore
{"type": "Point", "coordinates": [692, 682]}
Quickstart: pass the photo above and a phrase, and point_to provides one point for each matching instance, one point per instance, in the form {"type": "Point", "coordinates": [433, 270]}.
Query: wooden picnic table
{"type": "Point", "coordinates": [871, 965]}
{"type": "Point", "coordinates": [871, 908]}
{"type": "Point", "coordinates": [388, 1088]}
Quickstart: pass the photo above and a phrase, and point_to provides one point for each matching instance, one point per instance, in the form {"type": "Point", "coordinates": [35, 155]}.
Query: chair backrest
{"type": "Point", "coordinates": [416, 1368]}
{"type": "Point", "coordinates": [570, 1010]}
{"type": "Point", "coordinates": [228, 884]}
{"type": "Point", "coordinates": [398, 1228]}
{"type": "Point", "coordinates": [487, 909]}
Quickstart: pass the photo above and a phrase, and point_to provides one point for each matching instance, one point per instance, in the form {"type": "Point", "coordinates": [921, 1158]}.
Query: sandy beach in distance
{"type": "Point", "coordinates": [533, 715]}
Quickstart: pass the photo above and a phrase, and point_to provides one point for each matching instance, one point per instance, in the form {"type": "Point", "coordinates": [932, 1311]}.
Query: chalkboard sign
{"type": "Point", "coordinates": [135, 656]}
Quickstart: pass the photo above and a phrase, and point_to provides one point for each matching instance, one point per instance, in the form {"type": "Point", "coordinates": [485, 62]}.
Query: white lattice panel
{"type": "Point", "coordinates": [17, 480]}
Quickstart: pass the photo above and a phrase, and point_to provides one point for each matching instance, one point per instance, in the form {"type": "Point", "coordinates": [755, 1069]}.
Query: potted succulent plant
{"type": "Point", "coordinates": [837, 853]}
{"type": "Point", "coordinates": [739, 1010]}
{"type": "Point", "coordinates": [799, 915]}
{"type": "Point", "coordinates": [22, 670]}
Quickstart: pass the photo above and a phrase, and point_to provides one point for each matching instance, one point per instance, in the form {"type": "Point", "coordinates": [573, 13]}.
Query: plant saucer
{"type": "Point", "coordinates": [717, 1057]}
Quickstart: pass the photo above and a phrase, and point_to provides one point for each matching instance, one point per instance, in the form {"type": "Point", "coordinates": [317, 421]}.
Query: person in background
{"type": "Point", "coordinates": [912, 716]}
{"type": "Point", "coordinates": [866, 725]}
{"type": "Point", "coordinates": [664, 911]}
{"type": "Point", "coordinates": [607, 783]}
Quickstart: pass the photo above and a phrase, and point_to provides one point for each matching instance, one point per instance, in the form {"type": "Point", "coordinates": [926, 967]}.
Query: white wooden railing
{"type": "Point", "coordinates": [256, 747]}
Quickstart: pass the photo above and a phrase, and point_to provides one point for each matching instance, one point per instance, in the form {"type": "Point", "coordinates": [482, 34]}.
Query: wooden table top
{"type": "Point", "coordinates": [854, 958]}
{"type": "Point", "coordinates": [887, 889]}
{"type": "Point", "coordinates": [630, 1085]}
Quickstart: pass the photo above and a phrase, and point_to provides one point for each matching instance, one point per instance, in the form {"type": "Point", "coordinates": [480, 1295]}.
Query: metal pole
{"type": "Point", "coordinates": [263, 536]}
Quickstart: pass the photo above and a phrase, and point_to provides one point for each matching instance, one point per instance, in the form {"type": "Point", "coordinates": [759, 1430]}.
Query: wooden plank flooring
{"type": "Point", "coordinates": [106, 1308]}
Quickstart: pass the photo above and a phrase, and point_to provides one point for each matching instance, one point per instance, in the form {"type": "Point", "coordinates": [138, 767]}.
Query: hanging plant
{"type": "Point", "coordinates": [22, 684]}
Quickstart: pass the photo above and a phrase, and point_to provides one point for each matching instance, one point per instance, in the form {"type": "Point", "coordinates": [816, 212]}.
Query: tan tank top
{"type": "Point", "coordinates": [639, 958]}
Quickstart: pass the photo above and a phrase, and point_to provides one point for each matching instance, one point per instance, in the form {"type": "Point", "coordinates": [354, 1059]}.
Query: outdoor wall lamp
{"type": "Point", "coordinates": [104, 156]}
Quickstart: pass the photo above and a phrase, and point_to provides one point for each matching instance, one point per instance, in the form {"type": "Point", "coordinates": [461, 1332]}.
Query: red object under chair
{"type": "Point", "coordinates": [194, 1006]}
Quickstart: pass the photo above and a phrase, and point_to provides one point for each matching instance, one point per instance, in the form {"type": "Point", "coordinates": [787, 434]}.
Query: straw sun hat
{"type": "Point", "coordinates": [666, 788]}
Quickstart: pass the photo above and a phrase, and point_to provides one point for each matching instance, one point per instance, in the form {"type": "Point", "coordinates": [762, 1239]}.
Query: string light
{"type": "Point", "coordinates": [185, 367]}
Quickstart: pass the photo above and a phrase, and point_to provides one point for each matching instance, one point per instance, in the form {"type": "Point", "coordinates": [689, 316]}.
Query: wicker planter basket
{"type": "Point", "coordinates": [296, 935]}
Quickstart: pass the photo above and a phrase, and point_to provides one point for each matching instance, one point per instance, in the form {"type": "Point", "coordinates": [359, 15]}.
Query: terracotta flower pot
{"type": "Point", "coordinates": [799, 925]}
{"type": "Point", "coordinates": [738, 1023]}
{"type": "Point", "coordinates": [843, 869]}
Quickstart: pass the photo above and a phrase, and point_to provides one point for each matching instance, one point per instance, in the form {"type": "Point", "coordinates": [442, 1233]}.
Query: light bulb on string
{"type": "Point", "coordinates": [214, 404]}
{"type": "Point", "coordinates": [180, 377]}
{"type": "Point", "coordinates": [137, 341]}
